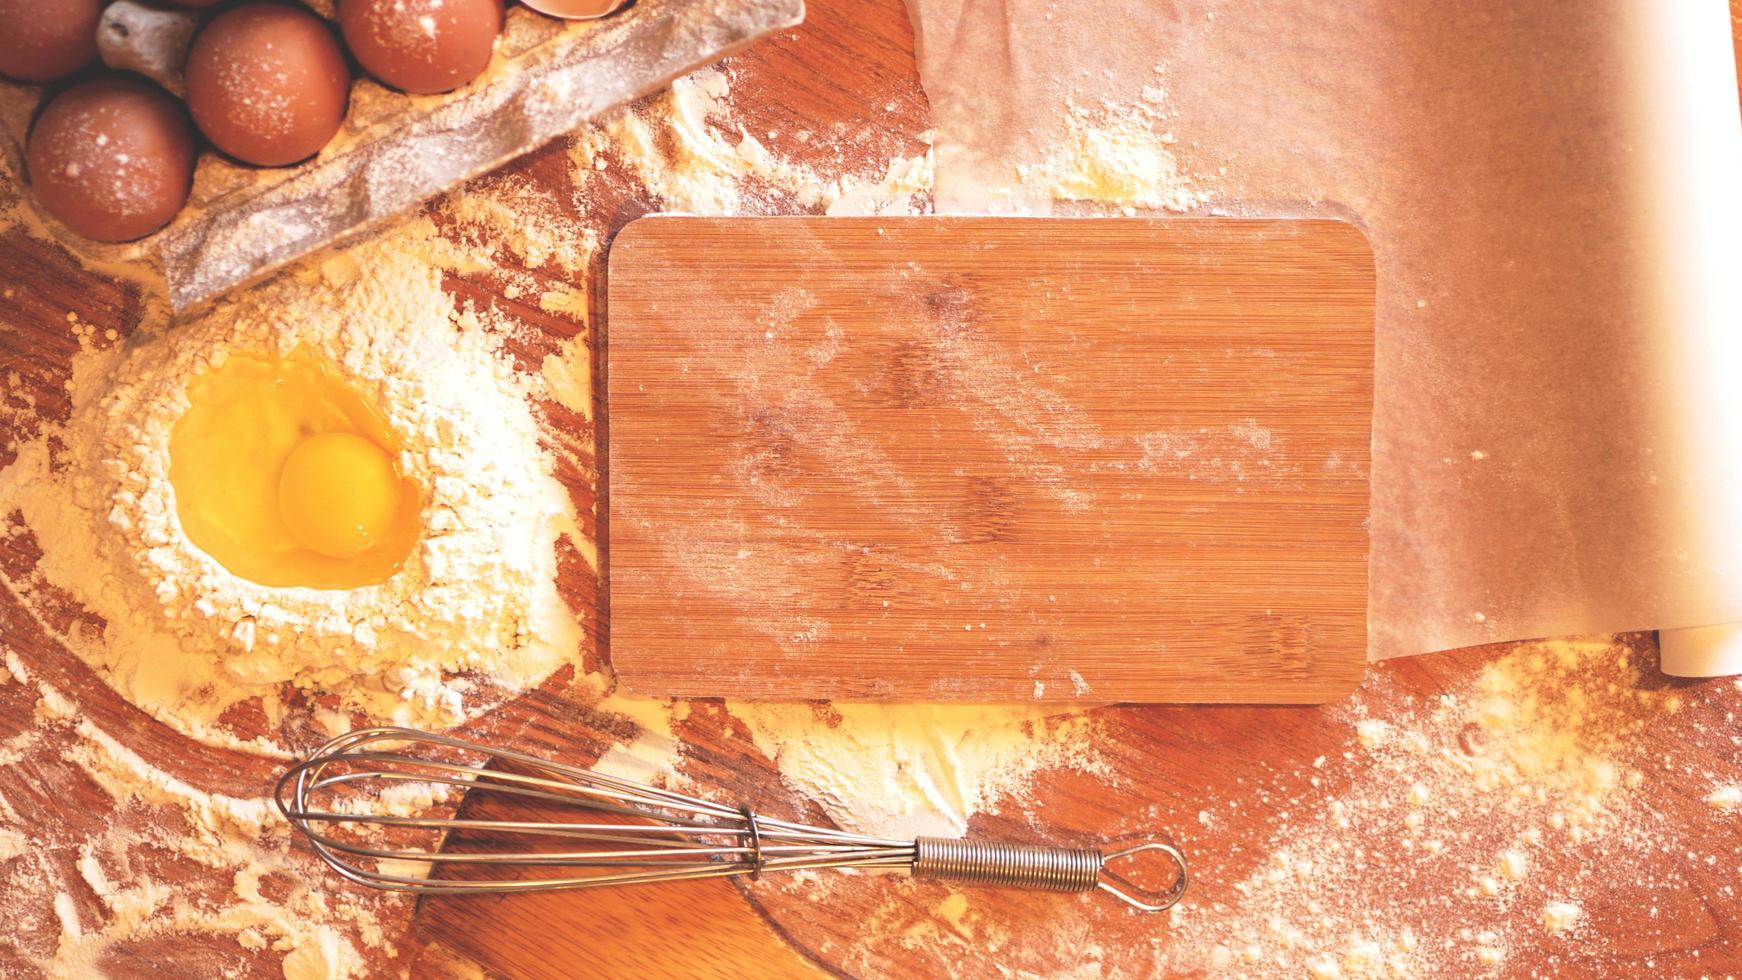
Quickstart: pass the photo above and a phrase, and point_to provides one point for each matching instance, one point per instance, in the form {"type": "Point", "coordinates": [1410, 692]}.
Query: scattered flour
{"type": "Point", "coordinates": [325, 955]}
{"type": "Point", "coordinates": [1471, 841]}
{"type": "Point", "coordinates": [1530, 752]}
{"type": "Point", "coordinates": [1458, 802]}
{"type": "Point", "coordinates": [568, 376]}
{"type": "Point", "coordinates": [110, 899]}
{"type": "Point", "coordinates": [1727, 797]}
{"type": "Point", "coordinates": [125, 891]}
{"type": "Point", "coordinates": [1115, 155]}
{"type": "Point", "coordinates": [173, 871]}
{"type": "Point", "coordinates": [904, 770]}
{"type": "Point", "coordinates": [1372, 732]}
{"type": "Point", "coordinates": [691, 156]}
{"type": "Point", "coordinates": [552, 252]}
{"type": "Point", "coordinates": [899, 770]}
{"type": "Point", "coordinates": [510, 214]}
{"type": "Point", "coordinates": [1559, 917]}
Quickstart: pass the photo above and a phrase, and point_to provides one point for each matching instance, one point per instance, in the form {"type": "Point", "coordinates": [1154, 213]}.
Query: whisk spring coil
{"type": "Point", "coordinates": [1053, 869]}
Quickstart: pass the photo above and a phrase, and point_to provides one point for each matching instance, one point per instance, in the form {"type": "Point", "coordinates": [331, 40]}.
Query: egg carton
{"type": "Point", "coordinates": [396, 151]}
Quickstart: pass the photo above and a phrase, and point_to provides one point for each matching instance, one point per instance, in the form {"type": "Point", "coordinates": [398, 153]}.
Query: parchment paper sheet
{"type": "Point", "coordinates": [1553, 192]}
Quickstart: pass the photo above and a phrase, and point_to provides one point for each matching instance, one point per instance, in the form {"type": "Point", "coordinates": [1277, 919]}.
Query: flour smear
{"type": "Point", "coordinates": [214, 879]}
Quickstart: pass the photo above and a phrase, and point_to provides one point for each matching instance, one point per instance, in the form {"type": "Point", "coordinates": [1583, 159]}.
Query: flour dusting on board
{"type": "Point", "coordinates": [885, 769]}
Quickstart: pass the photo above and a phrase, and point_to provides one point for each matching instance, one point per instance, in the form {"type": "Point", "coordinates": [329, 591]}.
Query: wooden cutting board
{"type": "Point", "coordinates": [988, 458]}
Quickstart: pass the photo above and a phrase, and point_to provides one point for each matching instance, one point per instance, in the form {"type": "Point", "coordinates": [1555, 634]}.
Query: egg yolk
{"type": "Point", "coordinates": [287, 476]}
{"type": "Point", "coordinates": [338, 493]}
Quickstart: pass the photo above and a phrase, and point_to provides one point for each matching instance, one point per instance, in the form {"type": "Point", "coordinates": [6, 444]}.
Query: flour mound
{"type": "Point", "coordinates": [471, 617]}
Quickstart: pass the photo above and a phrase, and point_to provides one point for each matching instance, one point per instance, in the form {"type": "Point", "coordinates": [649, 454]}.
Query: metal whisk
{"type": "Point", "coordinates": [665, 836]}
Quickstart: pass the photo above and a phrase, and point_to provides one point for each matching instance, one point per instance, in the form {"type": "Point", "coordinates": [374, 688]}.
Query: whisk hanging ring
{"type": "Point", "coordinates": [1120, 887]}
{"type": "Point", "coordinates": [674, 837]}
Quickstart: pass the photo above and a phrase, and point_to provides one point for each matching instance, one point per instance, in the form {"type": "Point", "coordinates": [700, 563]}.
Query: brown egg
{"type": "Point", "coordinates": [41, 41]}
{"type": "Point", "coordinates": [422, 46]}
{"type": "Point", "coordinates": [267, 83]}
{"type": "Point", "coordinates": [112, 158]}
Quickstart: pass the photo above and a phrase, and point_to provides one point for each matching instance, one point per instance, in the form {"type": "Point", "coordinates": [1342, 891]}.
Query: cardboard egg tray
{"type": "Point", "coordinates": [396, 151]}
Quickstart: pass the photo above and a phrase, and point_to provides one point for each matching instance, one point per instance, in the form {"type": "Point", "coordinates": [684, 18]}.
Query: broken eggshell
{"type": "Point", "coordinates": [576, 9]}
{"type": "Point", "coordinates": [152, 41]}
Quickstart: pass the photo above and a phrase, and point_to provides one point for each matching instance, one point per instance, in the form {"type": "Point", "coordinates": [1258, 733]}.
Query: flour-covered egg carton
{"type": "Point", "coordinates": [394, 150]}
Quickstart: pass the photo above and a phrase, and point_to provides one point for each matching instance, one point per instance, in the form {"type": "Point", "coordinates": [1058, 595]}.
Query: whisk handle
{"type": "Point", "coordinates": [1041, 868]}
{"type": "Point", "coordinates": [1052, 869]}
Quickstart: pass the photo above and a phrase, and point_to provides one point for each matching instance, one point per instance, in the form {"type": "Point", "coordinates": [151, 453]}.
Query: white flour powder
{"type": "Point", "coordinates": [1489, 821]}
{"type": "Point", "coordinates": [182, 865]}
{"type": "Point", "coordinates": [692, 156]}
{"type": "Point", "coordinates": [905, 770]}
{"type": "Point", "coordinates": [1464, 803]}
{"type": "Point", "coordinates": [474, 610]}
{"type": "Point", "coordinates": [1116, 154]}
{"type": "Point", "coordinates": [898, 770]}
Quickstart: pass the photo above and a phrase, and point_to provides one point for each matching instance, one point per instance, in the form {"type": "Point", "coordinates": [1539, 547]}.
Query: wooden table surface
{"type": "Point", "coordinates": [1658, 888]}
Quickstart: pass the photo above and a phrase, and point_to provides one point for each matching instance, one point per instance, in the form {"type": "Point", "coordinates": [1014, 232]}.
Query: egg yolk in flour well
{"type": "Point", "coordinates": [289, 477]}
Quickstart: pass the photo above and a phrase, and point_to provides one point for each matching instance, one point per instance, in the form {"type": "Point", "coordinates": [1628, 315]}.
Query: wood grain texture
{"type": "Point", "coordinates": [1667, 903]}
{"type": "Point", "coordinates": [990, 458]}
